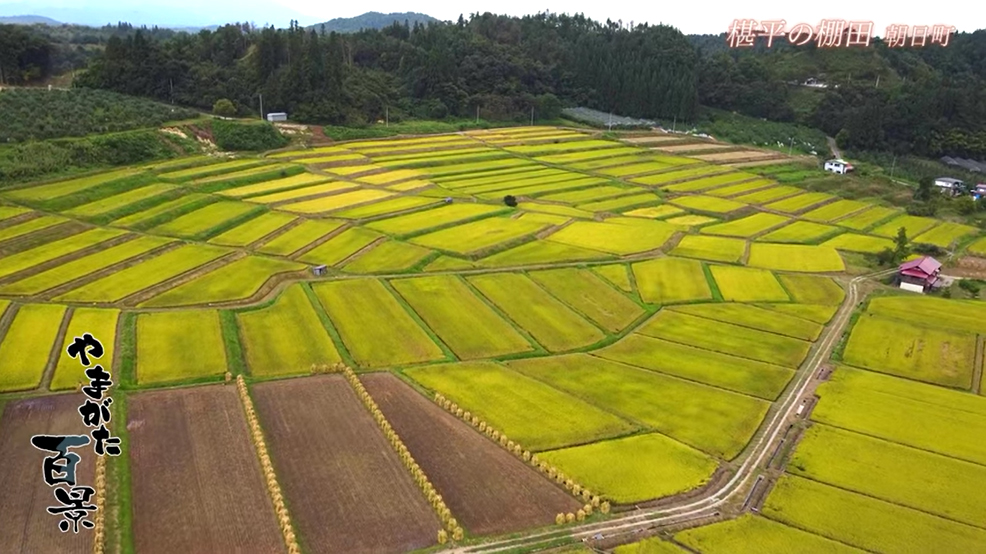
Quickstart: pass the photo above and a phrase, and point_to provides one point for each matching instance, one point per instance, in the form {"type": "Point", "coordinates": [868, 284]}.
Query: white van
{"type": "Point", "coordinates": [838, 166]}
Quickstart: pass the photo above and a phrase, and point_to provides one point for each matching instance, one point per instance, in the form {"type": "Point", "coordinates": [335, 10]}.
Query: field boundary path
{"type": "Point", "coordinates": [707, 505]}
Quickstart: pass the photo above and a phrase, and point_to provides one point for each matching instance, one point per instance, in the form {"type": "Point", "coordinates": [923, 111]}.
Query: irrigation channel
{"type": "Point", "coordinates": [708, 505]}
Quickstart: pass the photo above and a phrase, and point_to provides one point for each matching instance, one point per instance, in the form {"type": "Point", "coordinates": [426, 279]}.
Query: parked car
{"type": "Point", "coordinates": [838, 166]}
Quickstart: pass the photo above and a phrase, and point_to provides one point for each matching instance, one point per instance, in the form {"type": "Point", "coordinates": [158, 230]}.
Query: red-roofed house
{"type": "Point", "coordinates": [918, 275]}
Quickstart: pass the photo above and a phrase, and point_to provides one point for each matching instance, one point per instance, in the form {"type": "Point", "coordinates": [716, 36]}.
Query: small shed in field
{"type": "Point", "coordinates": [320, 270]}
{"type": "Point", "coordinates": [918, 275]}
{"type": "Point", "coordinates": [277, 116]}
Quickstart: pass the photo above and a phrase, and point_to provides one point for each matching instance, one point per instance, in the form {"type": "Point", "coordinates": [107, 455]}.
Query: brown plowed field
{"type": "Point", "coordinates": [486, 487]}
{"type": "Point", "coordinates": [196, 481]}
{"type": "Point", "coordinates": [25, 524]}
{"type": "Point", "coordinates": [345, 486]}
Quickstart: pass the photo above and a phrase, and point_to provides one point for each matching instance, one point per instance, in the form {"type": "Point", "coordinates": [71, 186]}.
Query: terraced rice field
{"type": "Point", "coordinates": [621, 203]}
{"type": "Point", "coordinates": [812, 289]}
{"type": "Point", "coordinates": [541, 252]}
{"type": "Point", "coordinates": [336, 201]}
{"type": "Point", "coordinates": [417, 222]}
{"type": "Point", "coordinates": [590, 296]}
{"type": "Point", "coordinates": [853, 242]}
{"type": "Point", "coordinates": [102, 325]}
{"type": "Point", "coordinates": [744, 284]}
{"type": "Point", "coordinates": [710, 204]}
{"type": "Point", "coordinates": [212, 169]}
{"type": "Point", "coordinates": [123, 283]}
{"type": "Point", "coordinates": [670, 280]}
{"type": "Point", "coordinates": [253, 230]}
{"type": "Point", "coordinates": [470, 327]}
{"type": "Point", "coordinates": [799, 203]}
{"type": "Point", "coordinates": [552, 324]}
{"type": "Point", "coordinates": [913, 225]}
{"type": "Point", "coordinates": [27, 345]}
{"type": "Point", "coordinates": [740, 188]}
{"type": "Point", "coordinates": [285, 338]}
{"type": "Point", "coordinates": [119, 201]}
{"type": "Point", "coordinates": [801, 232]}
{"type": "Point", "coordinates": [614, 238]}
{"type": "Point", "coordinates": [746, 227]}
{"type": "Point", "coordinates": [299, 236]}
{"type": "Point", "coordinates": [53, 250]}
{"type": "Point", "coordinates": [795, 257]}
{"type": "Point", "coordinates": [768, 195]}
{"type": "Point", "coordinates": [238, 280]}
{"type": "Point", "coordinates": [707, 183]}
{"type": "Point", "coordinates": [750, 534]}
{"type": "Point", "coordinates": [718, 249]}
{"type": "Point", "coordinates": [179, 345]}
{"type": "Point", "coordinates": [530, 412]}
{"type": "Point", "coordinates": [385, 207]}
{"type": "Point", "coordinates": [30, 226]}
{"type": "Point", "coordinates": [945, 235]}
{"type": "Point", "coordinates": [341, 246]}
{"type": "Point", "coordinates": [331, 187]}
{"type": "Point", "coordinates": [202, 221]}
{"type": "Point", "coordinates": [470, 238]}
{"type": "Point", "coordinates": [835, 211]}
{"type": "Point", "coordinates": [861, 221]}
{"type": "Point", "coordinates": [655, 212]}
{"type": "Point", "coordinates": [269, 187]}
{"type": "Point", "coordinates": [64, 188]}
{"type": "Point", "coordinates": [151, 214]}
{"type": "Point", "coordinates": [375, 328]}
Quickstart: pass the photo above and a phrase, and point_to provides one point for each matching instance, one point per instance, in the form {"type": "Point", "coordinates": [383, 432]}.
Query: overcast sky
{"type": "Point", "coordinates": [698, 17]}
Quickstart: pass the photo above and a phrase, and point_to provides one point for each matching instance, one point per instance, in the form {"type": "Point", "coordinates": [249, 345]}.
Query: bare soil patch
{"type": "Point", "coordinates": [197, 484]}
{"type": "Point", "coordinates": [968, 266]}
{"type": "Point", "coordinates": [346, 487]}
{"type": "Point", "coordinates": [25, 524]}
{"type": "Point", "coordinates": [490, 490]}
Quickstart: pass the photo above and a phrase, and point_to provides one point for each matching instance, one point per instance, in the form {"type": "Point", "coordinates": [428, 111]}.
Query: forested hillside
{"type": "Point", "coordinates": [927, 101]}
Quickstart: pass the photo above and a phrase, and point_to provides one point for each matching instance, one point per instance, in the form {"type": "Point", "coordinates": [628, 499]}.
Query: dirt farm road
{"type": "Point", "coordinates": [708, 505]}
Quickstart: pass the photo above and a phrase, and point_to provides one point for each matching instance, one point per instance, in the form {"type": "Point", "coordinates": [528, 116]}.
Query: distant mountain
{"type": "Point", "coordinates": [28, 20]}
{"type": "Point", "coordinates": [174, 14]}
{"type": "Point", "coordinates": [373, 20]}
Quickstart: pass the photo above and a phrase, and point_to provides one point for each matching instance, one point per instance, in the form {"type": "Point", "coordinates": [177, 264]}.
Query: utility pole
{"type": "Point", "coordinates": [386, 120]}
{"type": "Point", "coordinates": [261, 107]}
{"type": "Point", "coordinates": [611, 122]}
{"type": "Point", "coordinates": [532, 116]}
{"type": "Point", "coordinates": [674, 124]}
{"type": "Point", "coordinates": [892, 166]}
{"type": "Point", "coordinates": [477, 115]}
{"type": "Point", "coordinates": [877, 81]}
{"type": "Point", "coordinates": [171, 83]}
{"type": "Point", "coordinates": [791, 147]}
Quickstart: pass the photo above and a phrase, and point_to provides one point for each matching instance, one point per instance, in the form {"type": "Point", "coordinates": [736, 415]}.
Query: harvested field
{"type": "Point", "coordinates": [482, 478]}
{"type": "Point", "coordinates": [694, 147]}
{"type": "Point", "coordinates": [81, 267]}
{"type": "Point", "coordinates": [836, 210]}
{"type": "Point", "coordinates": [751, 534]}
{"type": "Point", "coordinates": [669, 280]}
{"type": "Point", "coordinates": [340, 247]}
{"type": "Point", "coordinates": [209, 422]}
{"type": "Point", "coordinates": [375, 328]}
{"type": "Point", "coordinates": [635, 468]}
{"type": "Point", "coordinates": [712, 420]}
{"type": "Point", "coordinates": [236, 281]}
{"type": "Point", "coordinates": [746, 227]}
{"type": "Point", "coordinates": [740, 155]}
{"type": "Point", "coordinates": [325, 444]}
{"type": "Point", "coordinates": [743, 284]}
{"type": "Point", "coordinates": [615, 238]}
{"type": "Point", "coordinates": [336, 201]}
{"type": "Point", "coordinates": [865, 219]}
{"type": "Point", "coordinates": [253, 230]}
{"type": "Point", "coordinates": [801, 232]}
{"type": "Point", "coordinates": [853, 242]}
{"type": "Point", "coordinates": [476, 236]}
{"type": "Point", "coordinates": [54, 250]}
{"type": "Point", "coordinates": [799, 203]}
{"type": "Point", "coordinates": [590, 296]}
{"type": "Point", "coordinates": [796, 257]}
{"type": "Point", "coordinates": [718, 249]}
{"type": "Point", "coordinates": [101, 324]}
{"type": "Point", "coordinates": [528, 411]}
{"type": "Point", "coordinates": [285, 338]}
{"type": "Point", "coordinates": [28, 527]}
{"type": "Point", "coordinates": [914, 225]}
{"type": "Point", "coordinates": [917, 352]}
{"type": "Point", "coordinates": [299, 236]}
{"type": "Point", "coordinates": [429, 219]}
{"type": "Point", "coordinates": [148, 273]}
{"type": "Point", "coordinates": [708, 204]}
{"type": "Point", "coordinates": [703, 366]}
{"type": "Point", "coordinates": [726, 338]}
{"type": "Point", "coordinates": [330, 187]}
{"type": "Point", "coordinates": [179, 345]}
{"type": "Point", "coordinates": [551, 323]}
{"type": "Point", "coordinates": [388, 257]}
{"type": "Point", "coordinates": [202, 220]}
{"type": "Point", "coordinates": [465, 323]}
{"type": "Point", "coordinates": [27, 346]}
